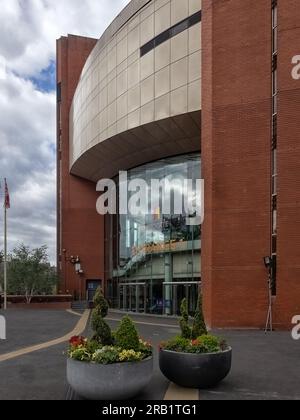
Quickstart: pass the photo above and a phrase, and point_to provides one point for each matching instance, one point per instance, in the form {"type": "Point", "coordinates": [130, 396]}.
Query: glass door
{"type": "Point", "coordinates": [133, 297]}
{"type": "Point", "coordinates": [175, 292]}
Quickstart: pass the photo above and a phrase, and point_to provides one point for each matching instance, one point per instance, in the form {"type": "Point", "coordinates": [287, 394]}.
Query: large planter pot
{"type": "Point", "coordinates": [199, 371]}
{"type": "Point", "coordinates": [119, 381]}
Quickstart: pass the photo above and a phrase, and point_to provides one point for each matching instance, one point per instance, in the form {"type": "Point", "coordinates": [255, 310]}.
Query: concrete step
{"type": "Point", "coordinates": [79, 305]}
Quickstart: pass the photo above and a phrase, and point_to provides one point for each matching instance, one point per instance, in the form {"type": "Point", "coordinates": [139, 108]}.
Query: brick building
{"type": "Point", "coordinates": [185, 88]}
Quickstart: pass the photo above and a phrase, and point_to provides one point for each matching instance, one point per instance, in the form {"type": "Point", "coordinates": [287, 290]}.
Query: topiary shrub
{"type": "Point", "coordinates": [126, 336]}
{"type": "Point", "coordinates": [101, 303]}
{"type": "Point", "coordinates": [102, 331]}
{"type": "Point", "coordinates": [186, 331]}
{"type": "Point", "coordinates": [199, 326]}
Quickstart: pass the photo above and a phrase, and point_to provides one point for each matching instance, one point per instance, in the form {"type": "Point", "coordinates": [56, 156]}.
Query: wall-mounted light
{"type": "Point", "coordinates": [268, 262]}
{"type": "Point", "coordinates": [77, 264]}
{"type": "Point", "coordinates": [74, 261]}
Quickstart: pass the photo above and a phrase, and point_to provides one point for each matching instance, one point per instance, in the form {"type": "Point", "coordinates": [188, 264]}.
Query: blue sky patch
{"type": "Point", "coordinates": [45, 81]}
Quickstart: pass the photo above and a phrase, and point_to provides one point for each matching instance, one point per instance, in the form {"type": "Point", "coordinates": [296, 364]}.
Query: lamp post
{"type": "Point", "coordinates": [79, 272]}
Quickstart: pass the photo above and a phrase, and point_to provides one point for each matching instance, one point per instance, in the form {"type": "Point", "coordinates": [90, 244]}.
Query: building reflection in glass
{"type": "Point", "coordinates": [153, 261]}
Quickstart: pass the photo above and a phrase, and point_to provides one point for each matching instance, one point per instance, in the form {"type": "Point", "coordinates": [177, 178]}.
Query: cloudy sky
{"type": "Point", "coordinates": [28, 33]}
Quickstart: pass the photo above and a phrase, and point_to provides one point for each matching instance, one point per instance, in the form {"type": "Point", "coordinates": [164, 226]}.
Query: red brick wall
{"type": "Point", "coordinates": [80, 228]}
{"type": "Point", "coordinates": [236, 111]}
{"type": "Point", "coordinates": [288, 300]}
{"type": "Point", "coordinates": [58, 306]}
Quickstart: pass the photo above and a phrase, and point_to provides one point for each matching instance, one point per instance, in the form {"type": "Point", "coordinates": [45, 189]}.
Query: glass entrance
{"type": "Point", "coordinates": [159, 299]}
{"type": "Point", "coordinates": [175, 292]}
{"type": "Point", "coordinates": [133, 297]}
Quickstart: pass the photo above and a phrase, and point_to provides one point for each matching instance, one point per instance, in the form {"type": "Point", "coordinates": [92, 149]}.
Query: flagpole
{"type": "Point", "coordinates": [5, 258]}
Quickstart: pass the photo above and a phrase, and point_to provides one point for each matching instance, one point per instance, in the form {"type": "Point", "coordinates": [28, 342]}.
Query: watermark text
{"type": "Point", "coordinates": [296, 68]}
{"type": "Point", "coordinates": [296, 329]}
{"type": "Point", "coordinates": [156, 197]}
{"type": "Point", "coordinates": [2, 328]}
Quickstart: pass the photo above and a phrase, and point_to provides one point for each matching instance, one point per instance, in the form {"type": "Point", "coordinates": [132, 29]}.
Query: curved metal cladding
{"type": "Point", "coordinates": [139, 95]}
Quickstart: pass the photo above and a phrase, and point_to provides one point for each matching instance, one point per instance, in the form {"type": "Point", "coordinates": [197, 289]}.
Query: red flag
{"type": "Point", "coordinates": [6, 199]}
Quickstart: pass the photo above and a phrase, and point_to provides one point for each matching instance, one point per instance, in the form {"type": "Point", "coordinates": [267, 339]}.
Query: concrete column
{"type": "Point", "coordinates": [168, 279]}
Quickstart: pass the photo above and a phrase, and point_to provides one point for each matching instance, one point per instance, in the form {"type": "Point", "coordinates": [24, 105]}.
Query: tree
{"type": "Point", "coordinates": [30, 273]}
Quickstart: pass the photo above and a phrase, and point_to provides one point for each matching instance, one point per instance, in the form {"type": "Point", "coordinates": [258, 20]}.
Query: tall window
{"type": "Point", "coordinates": [274, 139]}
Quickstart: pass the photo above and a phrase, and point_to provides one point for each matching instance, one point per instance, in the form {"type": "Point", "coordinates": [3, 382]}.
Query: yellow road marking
{"type": "Point", "coordinates": [177, 393]}
{"type": "Point", "coordinates": [78, 330]}
{"type": "Point", "coordinates": [73, 312]}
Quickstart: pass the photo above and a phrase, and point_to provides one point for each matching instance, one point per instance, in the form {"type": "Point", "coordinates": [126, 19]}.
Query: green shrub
{"type": "Point", "coordinates": [186, 331]}
{"type": "Point", "coordinates": [101, 303]}
{"type": "Point", "coordinates": [179, 344]}
{"type": "Point", "coordinates": [199, 327]}
{"type": "Point", "coordinates": [80, 353]}
{"type": "Point", "coordinates": [127, 336]}
{"type": "Point", "coordinates": [92, 346]}
{"type": "Point", "coordinates": [210, 343]}
{"type": "Point", "coordinates": [102, 331]}
{"type": "Point", "coordinates": [203, 344]}
{"type": "Point", "coordinates": [106, 355]}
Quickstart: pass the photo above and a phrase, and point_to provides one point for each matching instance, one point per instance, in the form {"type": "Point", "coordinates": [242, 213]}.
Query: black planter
{"type": "Point", "coordinates": [199, 371]}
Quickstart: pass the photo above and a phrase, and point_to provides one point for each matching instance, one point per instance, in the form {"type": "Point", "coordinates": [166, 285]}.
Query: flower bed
{"type": "Point", "coordinates": [109, 365]}
{"type": "Point", "coordinates": [201, 345]}
{"type": "Point", "coordinates": [85, 350]}
{"type": "Point", "coordinates": [195, 359]}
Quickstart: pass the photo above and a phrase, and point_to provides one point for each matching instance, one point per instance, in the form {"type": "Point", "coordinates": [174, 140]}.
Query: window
{"type": "Point", "coordinates": [170, 33]}
{"type": "Point", "coordinates": [274, 140]}
{"type": "Point", "coordinates": [58, 92]}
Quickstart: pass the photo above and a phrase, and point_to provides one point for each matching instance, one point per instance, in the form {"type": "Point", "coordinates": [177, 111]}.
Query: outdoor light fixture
{"type": "Point", "coordinates": [78, 266]}
{"type": "Point", "coordinates": [268, 262]}
{"type": "Point", "coordinates": [74, 261]}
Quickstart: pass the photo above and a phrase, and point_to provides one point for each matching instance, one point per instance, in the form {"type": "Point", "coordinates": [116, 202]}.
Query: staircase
{"type": "Point", "coordinates": [79, 305]}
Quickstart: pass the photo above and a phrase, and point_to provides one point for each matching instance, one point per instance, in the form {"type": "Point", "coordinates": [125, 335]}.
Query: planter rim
{"type": "Point", "coordinates": [197, 354]}
{"type": "Point", "coordinates": [111, 364]}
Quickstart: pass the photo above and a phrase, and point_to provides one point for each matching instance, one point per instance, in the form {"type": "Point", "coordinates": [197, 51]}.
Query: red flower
{"type": "Point", "coordinates": [77, 341]}
{"type": "Point", "coordinates": [195, 342]}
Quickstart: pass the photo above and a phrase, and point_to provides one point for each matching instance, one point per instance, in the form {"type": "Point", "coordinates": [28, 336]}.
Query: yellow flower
{"type": "Point", "coordinates": [130, 355]}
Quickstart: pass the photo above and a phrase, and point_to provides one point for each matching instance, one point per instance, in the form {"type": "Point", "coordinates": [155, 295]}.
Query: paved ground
{"type": "Point", "coordinates": [29, 327]}
{"type": "Point", "coordinates": [264, 367]}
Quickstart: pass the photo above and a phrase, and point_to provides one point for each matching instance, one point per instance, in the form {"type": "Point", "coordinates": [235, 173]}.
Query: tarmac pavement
{"type": "Point", "coordinates": [265, 367]}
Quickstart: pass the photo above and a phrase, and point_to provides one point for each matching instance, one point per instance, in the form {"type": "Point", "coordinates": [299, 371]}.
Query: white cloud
{"type": "Point", "coordinates": [27, 133]}
{"type": "Point", "coordinates": [28, 33]}
{"type": "Point", "coordinates": [29, 28]}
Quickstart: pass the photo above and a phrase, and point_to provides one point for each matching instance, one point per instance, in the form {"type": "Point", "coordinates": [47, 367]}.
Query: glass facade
{"type": "Point", "coordinates": [153, 260]}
